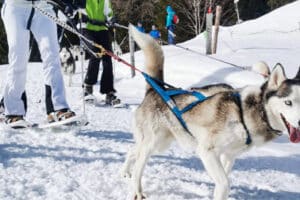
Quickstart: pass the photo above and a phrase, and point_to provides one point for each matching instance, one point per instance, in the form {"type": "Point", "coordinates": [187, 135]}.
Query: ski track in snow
{"type": "Point", "coordinates": [84, 163]}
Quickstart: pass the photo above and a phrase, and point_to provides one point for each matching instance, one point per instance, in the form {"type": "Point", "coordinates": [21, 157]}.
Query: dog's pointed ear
{"type": "Point", "coordinates": [277, 77]}
{"type": "Point", "coordinates": [298, 74]}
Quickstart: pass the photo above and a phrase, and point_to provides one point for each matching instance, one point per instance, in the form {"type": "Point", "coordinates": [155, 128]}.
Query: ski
{"type": "Point", "coordinates": [99, 102]}
{"type": "Point", "coordinates": [117, 106]}
{"type": "Point", "coordinates": [76, 121]}
{"type": "Point", "coordinates": [70, 122]}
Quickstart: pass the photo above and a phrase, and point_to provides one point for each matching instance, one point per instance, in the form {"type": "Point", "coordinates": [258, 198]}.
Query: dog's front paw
{"type": "Point", "coordinates": [139, 197]}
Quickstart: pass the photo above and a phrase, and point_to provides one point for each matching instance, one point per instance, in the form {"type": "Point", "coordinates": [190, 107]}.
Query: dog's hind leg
{"type": "Point", "coordinates": [144, 151]}
{"type": "Point", "coordinates": [132, 154]}
{"type": "Point", "coordinates": [214, 168]}
{"type": "Point", "coordinates": [130, 159]}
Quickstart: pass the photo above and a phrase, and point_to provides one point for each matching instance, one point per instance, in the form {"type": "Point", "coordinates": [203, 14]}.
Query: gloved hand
{"type": "Point", "coordinates": [111, 22]}
{"type": "Point", "coordinates": [84, 18]}
{"type": "Point", "coordinates": [69, 10]}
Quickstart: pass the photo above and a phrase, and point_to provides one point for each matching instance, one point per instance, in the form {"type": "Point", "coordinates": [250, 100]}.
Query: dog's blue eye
{"type": "Point", "coordinates": [288, 102]}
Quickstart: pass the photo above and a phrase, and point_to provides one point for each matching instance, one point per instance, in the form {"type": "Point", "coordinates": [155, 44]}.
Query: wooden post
{"type": "Point", "coordinates": [216, 32]}
{"type": "Point", "coordinates": [209, 19]}
{"type": "Point", "coordinates": [131, 49]}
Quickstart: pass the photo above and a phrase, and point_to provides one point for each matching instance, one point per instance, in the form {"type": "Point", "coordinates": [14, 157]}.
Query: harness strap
{"type": "Point", "coordinates": [166, 95]}
{"type": "Point", "coordinates": [200, 98]}
{"type": "Point", "coordinates": [239, 102]}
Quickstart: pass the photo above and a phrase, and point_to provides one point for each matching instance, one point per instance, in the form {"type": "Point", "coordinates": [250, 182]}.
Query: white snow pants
{"type": "Point", "coordinates": [15, 19]}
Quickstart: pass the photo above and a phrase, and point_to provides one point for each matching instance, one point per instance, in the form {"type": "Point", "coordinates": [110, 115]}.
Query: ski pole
{"type": "Point", "coordinates": [82, 64]}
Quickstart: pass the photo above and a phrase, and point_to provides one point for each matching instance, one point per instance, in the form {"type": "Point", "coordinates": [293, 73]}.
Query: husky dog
{"type": "Point", "coordinates": [67, 61]}
{"type": "Point", "coordinates": [223, 126]}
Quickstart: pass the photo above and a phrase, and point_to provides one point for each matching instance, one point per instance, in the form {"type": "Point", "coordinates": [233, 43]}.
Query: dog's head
{"type": "Point", "coordinates": [64, 55]}
{"type": "Point", "coordinates": [282, 102]}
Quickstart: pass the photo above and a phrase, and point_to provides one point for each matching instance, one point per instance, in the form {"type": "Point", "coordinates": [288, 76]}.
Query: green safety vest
{"type": "Point", "coordinates": [99, 10]}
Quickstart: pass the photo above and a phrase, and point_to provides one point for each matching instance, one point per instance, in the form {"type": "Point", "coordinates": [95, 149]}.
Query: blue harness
{"type": "Point", "coordinates": [166, 95]}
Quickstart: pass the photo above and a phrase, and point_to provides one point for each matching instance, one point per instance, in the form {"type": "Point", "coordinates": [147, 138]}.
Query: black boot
{"type": "Point", "coordinates": [111, 99]}
{"type": "Point", "coordinates": [88, 89]}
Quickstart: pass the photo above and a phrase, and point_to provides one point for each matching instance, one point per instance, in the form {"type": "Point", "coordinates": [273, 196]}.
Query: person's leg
{"type": "Point", "coordinates": [15, 21]}
{"type": "Point", "coordinates": [48, 45]}
{"type": "Point", "coordinates": [107, 77]}
{"type": "Point", "coordinates": [48, 100]}
{"type": "Point", "coordinates": [93, 66]}
{"type": "Point", "coordinates": [92, 71]}
{"type": "Point", "coordinates": [23, 98]}
{"type": "Point", "coordinates": [170, 35]}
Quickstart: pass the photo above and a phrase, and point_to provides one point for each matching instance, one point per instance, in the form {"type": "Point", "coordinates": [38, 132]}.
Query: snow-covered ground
{"type": "Point", "coordinates": [84, 163]}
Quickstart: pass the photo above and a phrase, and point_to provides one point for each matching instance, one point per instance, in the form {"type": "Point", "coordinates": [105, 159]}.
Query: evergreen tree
{"type": "Point", "coordinates": [273, 4]}
{"type": "Point", "coordinates": [252, 9]}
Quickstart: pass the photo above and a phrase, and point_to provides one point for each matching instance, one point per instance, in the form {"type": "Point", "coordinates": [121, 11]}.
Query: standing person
{"type": "Point", "coordinates": [19, 19]}
{"type": "Point", "coordinates": [155, 33]}
{"type": "Point", "coordinates": [140, 27]}
{"type": "Point", "coordinates": [99, 12]}
{"type": "Point", "coordinates": [170, 24]}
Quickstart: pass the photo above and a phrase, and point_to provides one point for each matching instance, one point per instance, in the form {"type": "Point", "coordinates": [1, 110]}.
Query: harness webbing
{"type": "Point", "coordinates": [239, 101]}
{"type": "Point", "coordinates": [167, 93]}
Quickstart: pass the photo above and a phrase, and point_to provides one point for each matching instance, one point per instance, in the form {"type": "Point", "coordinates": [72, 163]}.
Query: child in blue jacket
{"type": "Point", "coordinates": [170, 25]}
{"type": "Point", "coordinates": [155, 33]}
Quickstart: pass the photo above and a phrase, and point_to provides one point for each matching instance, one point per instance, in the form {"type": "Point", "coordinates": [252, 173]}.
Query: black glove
{"type": "Point", "coordinates": [112, 22]}
{"type": "Point", "coordinates": [84, 18]}
{"type": "Point", "coordinates": [69, 10]}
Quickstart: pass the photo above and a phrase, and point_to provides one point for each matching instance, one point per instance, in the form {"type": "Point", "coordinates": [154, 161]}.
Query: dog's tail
{"type": "Point", "coordinates": [154, 58]}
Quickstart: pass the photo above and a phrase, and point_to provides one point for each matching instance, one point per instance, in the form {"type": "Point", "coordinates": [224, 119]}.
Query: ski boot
{"type": "Point", "coordinates": [111, 99]}
{"type": "Point", "coordinates": [60, 115]}
{"type": "Point", "coordinates": [88, 93]}
{"type": "Point", "coordinates": [17, 122]}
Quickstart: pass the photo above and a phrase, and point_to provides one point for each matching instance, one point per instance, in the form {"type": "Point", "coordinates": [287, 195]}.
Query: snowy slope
{"type": "Point", "coordinates": [84, 163]}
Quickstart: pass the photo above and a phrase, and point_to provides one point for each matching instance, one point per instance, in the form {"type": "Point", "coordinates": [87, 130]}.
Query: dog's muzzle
{"type": "Point", "coordinates": [294, 132]}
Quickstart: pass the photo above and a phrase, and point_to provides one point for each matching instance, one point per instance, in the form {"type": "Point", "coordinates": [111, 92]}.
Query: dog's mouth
{"type": "Point", "coordinates": [294, 132]}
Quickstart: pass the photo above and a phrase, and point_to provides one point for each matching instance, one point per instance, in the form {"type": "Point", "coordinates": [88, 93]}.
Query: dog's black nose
{"type": "Point", "coordinates": [299, 122]}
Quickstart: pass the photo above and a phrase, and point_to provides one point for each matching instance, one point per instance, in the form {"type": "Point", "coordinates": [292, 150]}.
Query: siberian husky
{"type": "Point", "coordinates": [220, 128]}
{"type": "Point", "coordinates": [67, 61]}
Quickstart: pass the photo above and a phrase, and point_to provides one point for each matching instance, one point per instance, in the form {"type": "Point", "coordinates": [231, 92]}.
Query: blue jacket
{"type": "Point", "coordinates": [155, 34]}
{"type": "Point", "coordinates": [170, 15]}
{"type": "Point", "coordinates": [140, 28]}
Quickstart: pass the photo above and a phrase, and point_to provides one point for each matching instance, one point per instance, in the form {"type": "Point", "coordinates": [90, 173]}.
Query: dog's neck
{"type": "Point", "coordinates": [256, 116]}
